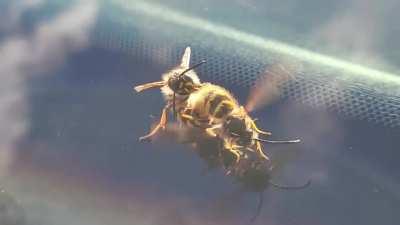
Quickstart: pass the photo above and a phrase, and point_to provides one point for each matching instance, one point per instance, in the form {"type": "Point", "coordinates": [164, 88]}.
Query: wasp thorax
{"type": "Point", "coordinates": [181, 84]}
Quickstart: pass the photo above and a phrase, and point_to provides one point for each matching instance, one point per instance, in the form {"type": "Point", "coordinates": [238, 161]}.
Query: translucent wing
{"type": "Point", "coordinates": [157, 84]}
{"type": "Point", "coordinates": [175, 132]}
{"type": "Point", "coordinates": [208, 149]}
{"type": "Point", "coordinates": [186, 58]}
{"type": "Point", "coordinates": [268, 86]}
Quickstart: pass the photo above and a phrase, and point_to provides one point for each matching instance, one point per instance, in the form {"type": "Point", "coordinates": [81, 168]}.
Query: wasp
{"type": "Point", "coordinates": [176, 85]}
{"type": "Point", "coordinates": [208, 106]}
{"type": "Point", "coordinates": [216, 110]}
{"type": "Point", "coordinates": [219, 128]}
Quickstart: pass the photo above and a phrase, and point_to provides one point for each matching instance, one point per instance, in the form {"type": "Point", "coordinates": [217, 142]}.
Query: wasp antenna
{"type": "Point", "coordinates": [193, 67]}
{"type": "Point", "coordinates": [283, 187]}
{"type": "Point", "coordinates": [259, 207]}
{"type": "Point", "coordinates": [278, 142]}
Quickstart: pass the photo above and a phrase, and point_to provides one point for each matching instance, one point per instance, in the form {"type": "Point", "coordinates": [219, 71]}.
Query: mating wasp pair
{"type": "Point", "coordinates": [226, 135]}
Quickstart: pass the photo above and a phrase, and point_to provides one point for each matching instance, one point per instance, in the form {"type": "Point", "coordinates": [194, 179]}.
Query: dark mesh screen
{"type": "Point", "coordinates": [231, 62]}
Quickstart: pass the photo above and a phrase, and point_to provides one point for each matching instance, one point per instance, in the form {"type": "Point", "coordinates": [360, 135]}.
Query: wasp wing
{"type": "Point", "coordinates": [157, 84]}
{"type": "Point", "coordinates": [268, 86]}
{"type": "Point", "coordinates": [176, 133]}
{"type": "Point", "coordinates": [185, 62]}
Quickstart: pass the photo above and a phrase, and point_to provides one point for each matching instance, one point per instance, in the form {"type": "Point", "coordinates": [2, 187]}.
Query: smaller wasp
{"type": "Point", "coordinates": [251, 173]}
{"type": "Point", "coordinates": [255, 176]}
{"type": "Point", "coordinates": [176, 85]}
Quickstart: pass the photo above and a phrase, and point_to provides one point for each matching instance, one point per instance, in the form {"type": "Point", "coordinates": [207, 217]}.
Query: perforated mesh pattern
{"type": "Point", "coordinates": [241, 66]}
{"type": "Point", "coordinates": [353, 102]}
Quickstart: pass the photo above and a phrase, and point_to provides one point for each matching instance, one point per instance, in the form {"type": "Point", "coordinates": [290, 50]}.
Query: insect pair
{"type": "Point", "coordinates": [220, 129]}
{"type": "Point", "coordinates": [209, 107]}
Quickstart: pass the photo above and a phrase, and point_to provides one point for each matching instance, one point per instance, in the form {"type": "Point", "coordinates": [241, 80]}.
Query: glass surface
{"type": "Point", "coordinates": [70, 119]}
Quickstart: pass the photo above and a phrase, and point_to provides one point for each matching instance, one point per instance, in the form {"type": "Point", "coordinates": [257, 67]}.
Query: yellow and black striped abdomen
{"type": "Point", "coordinates": [210, 102]}
{"type": "Point", "coordinates": [218, 102]}
{"type": "Point", "coordinates": [220, 106]}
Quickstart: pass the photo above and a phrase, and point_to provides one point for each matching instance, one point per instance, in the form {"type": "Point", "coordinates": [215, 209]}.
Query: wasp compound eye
{"type": "Point", "coordinates": [173, 83]}
{"type": "Point", "coordinates": [182, 85]}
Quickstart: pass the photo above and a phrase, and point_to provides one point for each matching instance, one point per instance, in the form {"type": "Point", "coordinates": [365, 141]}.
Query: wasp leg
{"type": "Point", "coordinates": [210, 132]}
{"type": "Point", "coordinates": [160, 125]}
{"type": "Point", "coordinates": [229, 159]}
{"type": "Point", "coordinates": [260, 151]}
{"type": "Point", "coordinates": [258, 130]}
{"type": "Point", "coordinates": [186, 117]}
{"type": "Point", "coordinates": [236, 158]}
{"type": "Point", "coordinates": [235, 152]}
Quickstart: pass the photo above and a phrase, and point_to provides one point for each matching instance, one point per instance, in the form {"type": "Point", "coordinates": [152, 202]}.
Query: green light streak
{"type": "Point", "coordinates": [165, 14]}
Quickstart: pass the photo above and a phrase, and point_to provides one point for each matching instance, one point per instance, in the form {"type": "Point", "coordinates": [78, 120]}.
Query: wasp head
{"type": "Point", "coordinates": [181, 84]}
{"type": "Point", "coordinates": [236, 127]}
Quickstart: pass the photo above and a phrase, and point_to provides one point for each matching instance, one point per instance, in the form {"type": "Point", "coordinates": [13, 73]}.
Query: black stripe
{"type": "Point", "coordinates": [224, 109]}
{"type": "Point", "coordinates": [215, 102]}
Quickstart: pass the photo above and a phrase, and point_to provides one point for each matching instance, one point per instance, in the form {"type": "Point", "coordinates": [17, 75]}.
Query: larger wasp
{"type": "Point", "coordinates": [210, 107]}
{"type": "Point", "coordinates": [215, 109]}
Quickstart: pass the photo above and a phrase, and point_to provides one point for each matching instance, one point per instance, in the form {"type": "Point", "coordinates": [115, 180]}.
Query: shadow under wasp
{"type": "Point", "coordinates": [250, 174]}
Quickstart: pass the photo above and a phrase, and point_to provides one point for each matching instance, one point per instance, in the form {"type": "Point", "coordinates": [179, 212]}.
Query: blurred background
{"type": "Point", "coordinates": [70, 121]}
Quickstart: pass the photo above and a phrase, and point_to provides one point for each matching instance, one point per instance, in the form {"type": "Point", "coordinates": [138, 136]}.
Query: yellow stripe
{"type": "Point", "coordinates": [220, 106]}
